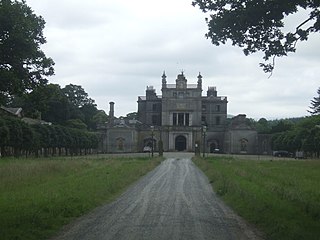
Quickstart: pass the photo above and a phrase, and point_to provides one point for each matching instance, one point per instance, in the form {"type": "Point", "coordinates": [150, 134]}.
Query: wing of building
{"type": "Point", "coordinates": [182, 119]}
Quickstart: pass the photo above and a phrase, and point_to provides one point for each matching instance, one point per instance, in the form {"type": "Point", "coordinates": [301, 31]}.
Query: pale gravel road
{"type": "Point", "coordinates": [174, 201]}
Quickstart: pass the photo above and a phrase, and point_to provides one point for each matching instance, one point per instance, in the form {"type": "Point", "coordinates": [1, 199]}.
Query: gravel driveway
{"type": "Point", "coordinates": [174, 201]}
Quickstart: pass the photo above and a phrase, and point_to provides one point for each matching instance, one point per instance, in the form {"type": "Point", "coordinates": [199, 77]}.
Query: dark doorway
{"type": "Point", "coordinates": [181, 143]}
{"type": "Point", "coordinates": [214, 146]}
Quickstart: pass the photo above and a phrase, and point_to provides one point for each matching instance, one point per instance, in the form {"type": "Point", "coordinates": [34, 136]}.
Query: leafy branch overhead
{"type": "Point", "coordinates": [258, 25]}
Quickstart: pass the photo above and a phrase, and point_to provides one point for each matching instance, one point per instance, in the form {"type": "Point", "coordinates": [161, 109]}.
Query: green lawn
{"type": "Point", "coordinates": [38, 196]}
{"type": "Point", "coordinates": [282, 198]}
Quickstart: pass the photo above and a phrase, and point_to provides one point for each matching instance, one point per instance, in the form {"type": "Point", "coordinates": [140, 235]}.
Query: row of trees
{"type": "Point", "coordinates": [24, 69]}
{"type": "Point", "coordinates": [19, 138]}
{"type": "Point", "coordinates": [296, 134]}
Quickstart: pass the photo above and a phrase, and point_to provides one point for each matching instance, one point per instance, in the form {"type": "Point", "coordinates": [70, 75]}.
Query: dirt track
{"type": "Point", "coordinates": [175, 201]}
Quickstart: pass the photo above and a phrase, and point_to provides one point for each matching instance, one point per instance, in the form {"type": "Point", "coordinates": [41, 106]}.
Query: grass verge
{"type": "Point", "coordinates": [282, 198]}
{"type": "Point", "coordinates": [38, 196]}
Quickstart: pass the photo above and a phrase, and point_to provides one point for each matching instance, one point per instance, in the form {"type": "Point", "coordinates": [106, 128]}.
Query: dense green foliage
{"type": "Point", "coordinates": [256, 25]}
{"type": "Point", "coordinates": [23, 66]}
{"type": "Point", "coordinates": [295, 134]}
{"type": "Point", "coordinates": [57, 105]}
{"type": "Point", "coordinates": [315, 104]}
{"type": "Point", "coordinates": [77, 96]}
{"type": "Point", "coordinates": [282, 198]}
{"type": "Point", "coordinates": [18, 137]}
{"type": "Point", "coordinates": [303, 136]}
{"type": "Point", "coordinates": [39, 196]}
{"type": "Point", "coordinates": [275, 126]}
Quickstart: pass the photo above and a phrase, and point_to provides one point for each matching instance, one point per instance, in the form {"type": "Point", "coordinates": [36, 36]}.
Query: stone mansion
{"type": "Point", "coordinates": [182, 119]}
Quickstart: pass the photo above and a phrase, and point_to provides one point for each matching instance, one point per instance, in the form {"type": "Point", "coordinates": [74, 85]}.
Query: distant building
{"type": "Point", "coordinates": [182, 119]}
{"type": "Point", "coordinates": [13, 112]}
{"type": "Point", "coordinates": [18, 112]}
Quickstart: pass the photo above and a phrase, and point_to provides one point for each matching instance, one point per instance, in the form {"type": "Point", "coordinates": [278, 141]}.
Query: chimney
{"type": "Point", "coordinates": [111, 112]}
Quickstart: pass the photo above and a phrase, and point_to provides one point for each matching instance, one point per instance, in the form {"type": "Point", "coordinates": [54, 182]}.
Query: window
{"type": "Point", "coordinates": [187, 119]}
{"type": "Point", "coordinates": [203, 120]}
{"type": "Point", "coordinates": [204, 107]}
{"type": "Point", "coordinates": [154, 119]}
{"type": "Point", "coordinates": [154, 107]}
{"type": "Point", "coordinates": [217, 108]}
{"type": "Point", "coordinates": [218, 120]}
{"type": "Point", "coordinates": [180, 119]}
{"type": "Point", "coordinates": [180, 94]}
{"type": "Point", "coordinates": [174, 119]}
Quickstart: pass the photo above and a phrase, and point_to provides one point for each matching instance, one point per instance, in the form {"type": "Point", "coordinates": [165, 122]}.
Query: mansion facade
{"type": "Point", "coordinates": [182, 119]}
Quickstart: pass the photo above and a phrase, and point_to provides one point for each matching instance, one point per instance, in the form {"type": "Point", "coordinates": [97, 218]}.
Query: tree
{"type": "Point", "coordinates": [28, 138]}
{"type": "Point", "coordinates": [4, 135]}
{"type": "Point", "coordinates": [57, 105]}
{"type": "Point", "coordinates": [23, 65]}
{"type": "Point", "coordinates": [89, 111]}
{"type": "Point", "coordinates": [80, 100]}
{"type": "Point", "coordinates": [77, 95]}
{"type": "Point", "coordinates": [76, 123]}
{"type": "Point", "coordinates": [282, 126]}
{"type": "Point", "coordinates": [100, 117]}
{"type": "Point", "coordinates": [50, 101]}
{"type": "Point", "coordinates": [263, 126]}
{"type": "Point", "coordinates": [315, 104]}
{"type": "Point", "coordinates": [257, 25]}
{"type": "Point", "coordinates": [132, 116]}
{"type": "Point", "coordinates": [16, 135]}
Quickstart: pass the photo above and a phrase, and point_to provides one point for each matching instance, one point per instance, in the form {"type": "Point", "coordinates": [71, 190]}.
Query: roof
{"type": "Point", "coordinates": [13, 111]}
{"type": "Point", "coordinates": [143, 98]}
{"type": "Point", "coordinates": [33, 121]}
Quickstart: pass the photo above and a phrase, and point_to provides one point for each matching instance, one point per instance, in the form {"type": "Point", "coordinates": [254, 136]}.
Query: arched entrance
{"type": "Point", "coordinates": [148, 143]}
{"type": "Point", "coordinates": [214, 146]}
{"type": "Point", "coordinates": [181, 143]}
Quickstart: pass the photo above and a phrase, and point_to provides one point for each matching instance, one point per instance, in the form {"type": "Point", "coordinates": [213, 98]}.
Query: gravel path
{"type": "Point", "coordinates": [174, 201]}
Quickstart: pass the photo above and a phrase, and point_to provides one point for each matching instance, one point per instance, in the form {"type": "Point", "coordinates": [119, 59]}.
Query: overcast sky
{"type": "Point", "coordinates": [115, 48]}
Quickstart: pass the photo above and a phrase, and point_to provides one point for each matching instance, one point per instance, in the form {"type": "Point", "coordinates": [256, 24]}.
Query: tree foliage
{"type": "Point", "coordinates": [23, 65]}
{"type": "Point", "coordinates": [48, 103]}
{"type": "Point", "coordinates": [294, 134]}
{"type": "Point", "coordinates": [315, 104]}
{"type": "Point", "coordinates": [51, 103]}
{"type": "Point", "coordinates": [262, 126]}
{"type": "Point", "coordinates": [100, 117]}
{"type": "Point", "coordinates": [18, 137]}
{"type": "Point", "coordinates": [258, 25]}
{"type": "Point", "coordinates": [23, 71]}
{"type": "Point", "coordinates": [302, 136]}
{"type": "Point", "coordinates": [77, 95]}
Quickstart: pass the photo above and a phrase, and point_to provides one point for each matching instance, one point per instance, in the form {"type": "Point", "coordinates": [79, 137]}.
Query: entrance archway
{"type": "Point", "coordinates": [181, 143]}
{"type": "Point", "coordinates": [214, 146]}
